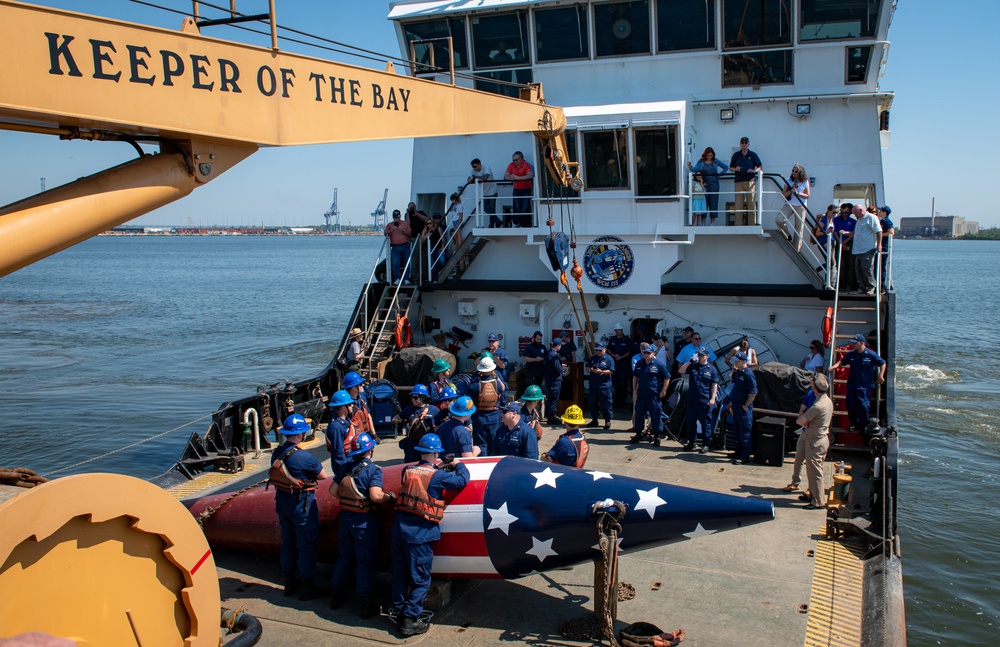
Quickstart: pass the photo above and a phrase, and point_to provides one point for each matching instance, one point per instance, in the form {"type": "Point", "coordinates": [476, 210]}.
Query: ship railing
{"type": "Point", "coordinates": [393, 305]}
{"type": "Point", "coordinates": [361, 311]}
{"type": "Point", "coordinates": [447, 245]}
{"type": "Point", "coordinates": [497, 211]}
{"type": "Point", "coordinates": [798, 226]}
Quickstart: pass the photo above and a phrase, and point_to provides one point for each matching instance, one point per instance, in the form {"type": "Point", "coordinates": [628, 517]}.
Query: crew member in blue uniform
{"type": "Point", "coordinates": [440, 370]}
{"type": "Point", "coordinates": [703, 390]}
{"type": "Point", "coordinates": [418, 419]}
{"type": "Point", "coordinates": [488, 393]}
{"type": "Point", "coordinates": [361, 418]}
{"type": "Point", "coordinates": [600, 367]}
{"type": "Point", "coordinates": [649, 386]}
{"type": "Point", "coordinates": [860, 380]}
{"type": "Point", "coordinates": [571, 447]}
{"type": "Point", "coordinates": [419, 511]}
{"type": "Point", "coordinates": [620, 349]}
{"type": "Point", "coordinates": [515, 437]}
{"type": "Point", "coordinates": [456, 432]}
{"type": "Point", "coordinates": [741, 399]}
{"type": "Point", "coordinates": [446, 397]}
{"type": "Point", "coordinates": [888, 231]}
{"type": "Point", "coordinates": [500, 357]}
{"type": "Point", "coordinates": [294, 474]}
{"type": "Point", "coordinates": [534, 359]}
{"type": "Point", "coordinates": [553, 379]}
{"type": "Point", "coordinates": [340, 431]}
{"type": "Point", "coordinates": [359, 490]}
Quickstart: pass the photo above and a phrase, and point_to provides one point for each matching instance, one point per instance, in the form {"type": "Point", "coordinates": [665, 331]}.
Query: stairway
{"type": "Point", "coordinates": [854, 315]}
{"type": "Point", "coordinates": [395, 300]}
{"type": "Point", "coordinates": [467, 252]}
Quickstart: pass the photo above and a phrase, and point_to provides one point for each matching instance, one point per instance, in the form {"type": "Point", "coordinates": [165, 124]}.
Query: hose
{"type": "Point", "coordinates": [245, 630]}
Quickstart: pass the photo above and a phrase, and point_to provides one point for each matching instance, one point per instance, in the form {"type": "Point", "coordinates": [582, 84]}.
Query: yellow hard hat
{"type": "Point", "coordinates": [573, 415]}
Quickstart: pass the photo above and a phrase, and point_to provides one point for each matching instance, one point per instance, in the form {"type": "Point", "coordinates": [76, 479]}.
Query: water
{"type": "Point", "coordinates": [118, 339]}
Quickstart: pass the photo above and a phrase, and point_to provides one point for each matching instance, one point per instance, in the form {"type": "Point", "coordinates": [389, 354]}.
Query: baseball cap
{"type": "Point", "coordinates": [703, 351]}
{"type": "Point", "coordinates": [688, 329]}
{"type": "Point", "coordinates": [740, 355]}
{"type": "Point", "coordinates": [822, 384]}
{"type": "Point", "coordinates": [564, 334]}
{"type": "Point", "coordinates": [860, 338]}
{"type": "Point", "coordinates": [886, 209]}
{"type": "Point", "coordinates": [513, 407]}
{"type": "Point", "coordinates": [493, 337]}
{"type": "Point", "coordinates": [556, 342]}
{"type": "Point", "coordinates": [744, 139]}
{"type": "Point", "coordinates": [600, 345]}
{"type": "Point", "coordinates": [646, 348]}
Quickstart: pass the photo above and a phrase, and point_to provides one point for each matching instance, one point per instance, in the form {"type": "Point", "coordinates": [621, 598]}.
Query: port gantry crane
{"type": "Point", "coordinates": [332, 216]}
{"type": "Point", "coordinates": [379, 213]}
{"type": "Point", "coordinates": [207, 104]}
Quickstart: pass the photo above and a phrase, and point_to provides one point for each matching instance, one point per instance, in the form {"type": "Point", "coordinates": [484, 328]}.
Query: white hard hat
{"type": "Point", "coordinates": [618, 326]}
{"type": "Point", "coordinates": [486, 365]}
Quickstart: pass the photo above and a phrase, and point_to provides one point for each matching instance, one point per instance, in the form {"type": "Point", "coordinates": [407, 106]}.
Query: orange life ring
{"type": "Point", "coordinates": [828, 328]}
{"type": "Point", "coordinates": [404, 335]}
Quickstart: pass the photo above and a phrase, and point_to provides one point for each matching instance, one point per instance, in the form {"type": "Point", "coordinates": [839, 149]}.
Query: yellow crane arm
{"type": "Point", "coordinates": [215, 102]}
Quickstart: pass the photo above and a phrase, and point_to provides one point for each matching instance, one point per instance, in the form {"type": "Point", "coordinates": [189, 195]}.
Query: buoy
{"type": "Point", "coordinates": [828, 328]}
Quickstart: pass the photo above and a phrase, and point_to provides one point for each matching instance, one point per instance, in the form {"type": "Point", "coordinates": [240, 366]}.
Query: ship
{"type": "Point", "coordinates": [609, 233]}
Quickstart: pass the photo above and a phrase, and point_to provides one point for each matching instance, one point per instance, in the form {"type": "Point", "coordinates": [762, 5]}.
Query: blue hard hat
{"type": "Point", "coordinates": [462, 407]}
{"type": "Point", "coordinates": [295, 424]}
{"type": "Point", "coordinates": [430, 444]}
{"type": "Point", "coordinates": [362, 443]}
{"type": "Point", "coordinates": [341, 398]}
{"type": "Point", "coordinates": [353, 379]}
{"type": "Point", "coordinates": [420, 389]}
{"type": "Point", "coordinates": [447, 393]}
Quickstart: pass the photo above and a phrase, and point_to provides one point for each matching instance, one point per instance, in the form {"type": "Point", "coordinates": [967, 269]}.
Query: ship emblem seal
{"type": "Point", "coordinates": [608, 262]}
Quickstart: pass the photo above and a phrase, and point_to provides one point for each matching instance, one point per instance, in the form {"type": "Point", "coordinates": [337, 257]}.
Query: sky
{"type": "Point", "coordinates": [939, 68]}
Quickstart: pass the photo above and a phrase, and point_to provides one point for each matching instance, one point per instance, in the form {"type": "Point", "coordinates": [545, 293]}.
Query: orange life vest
{"type": "Point", "coordinates": [413, 495]}
{"type": "Point", "coordinates": [279, 476]}
{"type": "Point", "coordinates": [582, 449]}
{"type": "Point", "coordinates": [360, 422]}
{"type": "Point", "coordinates": [489, 395]}
{"type": "Point", "coordinates": [351, 498]}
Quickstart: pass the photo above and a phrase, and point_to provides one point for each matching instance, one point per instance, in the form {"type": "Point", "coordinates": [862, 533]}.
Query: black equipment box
{"type": "Point", "coordinates": [769, 442]}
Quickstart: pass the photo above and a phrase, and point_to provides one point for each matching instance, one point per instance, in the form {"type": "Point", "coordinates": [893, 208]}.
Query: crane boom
{"type": "Point", "coordinates": [210, 104]}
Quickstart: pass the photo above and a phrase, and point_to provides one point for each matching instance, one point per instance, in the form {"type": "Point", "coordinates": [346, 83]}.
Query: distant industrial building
{"type": "Point", "coordinates": [937, 227]}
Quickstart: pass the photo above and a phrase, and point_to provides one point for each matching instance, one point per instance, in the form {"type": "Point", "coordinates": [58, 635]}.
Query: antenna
{"type": "Point", "coordinates": [379, 213]}
{"type": "Point", "coordinates": [332, 216]}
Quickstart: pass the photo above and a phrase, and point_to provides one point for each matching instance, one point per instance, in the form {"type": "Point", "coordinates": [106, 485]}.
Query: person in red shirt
{"type": "Point", "coordinates": [521, 173]}
{"type": "Point", "coordinates": [399, 246]}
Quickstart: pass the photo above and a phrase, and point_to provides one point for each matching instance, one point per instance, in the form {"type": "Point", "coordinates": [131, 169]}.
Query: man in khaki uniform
{"type": "Point", "coordinates": [816, 441]}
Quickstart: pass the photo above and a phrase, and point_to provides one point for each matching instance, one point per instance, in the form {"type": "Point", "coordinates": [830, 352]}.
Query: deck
{"type": "Point", "coordinates": [781, 581]}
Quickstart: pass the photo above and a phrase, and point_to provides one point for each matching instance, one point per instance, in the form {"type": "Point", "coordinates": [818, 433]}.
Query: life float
{"type": "Point", "coordinates": [828, 327]}
{"type": "Point", "coordinates": [404, 334]}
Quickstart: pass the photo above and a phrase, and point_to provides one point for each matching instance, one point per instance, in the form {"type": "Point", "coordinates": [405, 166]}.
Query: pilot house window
{"type": "Point", "coordinates": [858, 60]}
{"type": "Point", "coordinates": [685, 25]}
{"type": "Point", "coordinates": [606, 159]}
{"type": "Point", "coordinates": [822, 20]}
{"type": "Point", "coordinates": [757, 68]}
{"type": "Point", "coordinates": [500, 41]}
{"type": "Point", "coordinates": [432, 31]}
{"type": "Point", "coordinates": [621, 28]}
{"type": "Point", "coordinates": [756, 23]}
{"type": "Point", "coordinates": [561, 34]}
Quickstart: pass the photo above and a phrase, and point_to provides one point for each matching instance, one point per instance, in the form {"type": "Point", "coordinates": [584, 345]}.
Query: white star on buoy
{"type": "Point", "coordinates": [501, 519]}
{"type": "Point", "coordinates": [649, 500]}
{"type": "Point", "coordinates": [547, 477]}
{"type": "Point", "coordinates": [541, 549]}
{"type": "Point", "coordinates": [599, 475]}
{"type": "Point", "coordinates": [699, 531]}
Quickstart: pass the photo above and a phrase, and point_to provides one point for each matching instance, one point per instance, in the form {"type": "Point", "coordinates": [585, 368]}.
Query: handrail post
{"type": "Point", "coordinates": [759, 195]}
{"type": "Point", "coordinates": [690, 209]}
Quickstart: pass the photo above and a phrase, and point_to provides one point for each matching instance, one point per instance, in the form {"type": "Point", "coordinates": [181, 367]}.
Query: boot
{"type": "Point", "coordinates": [368, 609]}
{"type": "Point", "coordinates": [291, 585]}
{"type": "Point", "coordinates": [414, 626]}
{"type": "Point", "coordinates": [310, 591]}
{"type": "Point", "coordinates": [337, 599]}
{"type": "Point", "coordinates": [607, 424]}
{"type": "Point", "coordinates": [593, 423]}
